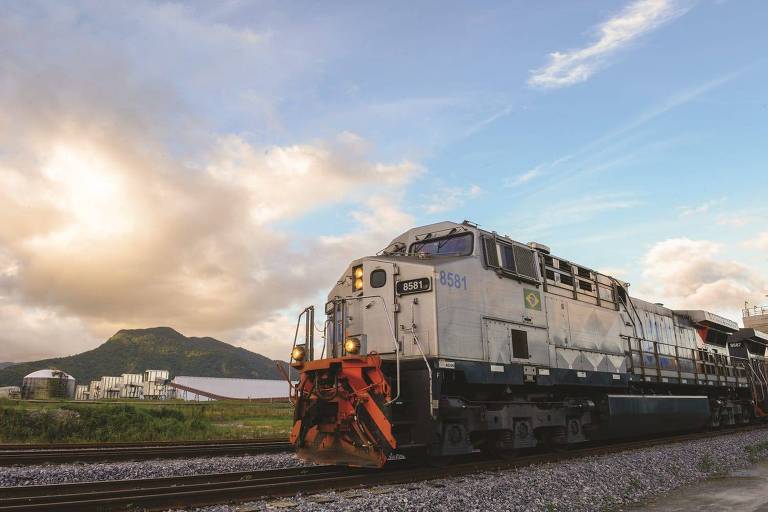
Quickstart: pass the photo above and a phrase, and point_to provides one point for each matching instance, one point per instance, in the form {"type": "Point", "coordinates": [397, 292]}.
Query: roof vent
{"type": "Point", "coordinates": [539, 247]}
{"type": "Point", "coordinates": [660, 304]}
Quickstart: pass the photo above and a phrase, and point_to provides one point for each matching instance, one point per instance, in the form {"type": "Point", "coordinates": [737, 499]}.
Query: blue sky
{"type": "Point", "coordinates": [199, 146]}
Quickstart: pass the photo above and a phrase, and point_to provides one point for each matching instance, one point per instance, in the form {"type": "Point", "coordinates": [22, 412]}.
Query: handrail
{"type": "Point", "coordinates": [429, 371]}
{"type": "Point", "coordinates": [762, 375]}
{"type": "Point", "coordinates": [291, 388]}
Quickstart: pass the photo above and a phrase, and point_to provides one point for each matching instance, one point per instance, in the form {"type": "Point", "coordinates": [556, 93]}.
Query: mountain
{"type": "Point", "coordinates": [5, 365]}
{"type": "Point", "coordinates": [158, 348]}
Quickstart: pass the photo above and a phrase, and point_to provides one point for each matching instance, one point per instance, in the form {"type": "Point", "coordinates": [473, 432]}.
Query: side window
{"type": "Point", "coordinates": [520, 344]}
{"type": "Point", "coordinates": [514, 260]}
{"type": "Point", "coordinates": [378, 278]}
{"type": "Point", "coordinates": [489, 248]}
{"type": "Point", "coordinates": [621, 293]}
{"type": "Point", "coordinates": [508, 258]}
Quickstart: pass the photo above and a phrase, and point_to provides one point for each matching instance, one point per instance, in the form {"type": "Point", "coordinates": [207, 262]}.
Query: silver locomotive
{"type": "Point", "coordinates": [454, 339]}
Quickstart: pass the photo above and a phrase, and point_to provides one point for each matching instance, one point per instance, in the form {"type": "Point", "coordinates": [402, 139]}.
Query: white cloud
{"type": "Point", "coordinates": [693, 274]}
{"type": "Point", "coordinates": [701, 209]}
{"type": "Point", "coordinates": [522, 179]}
{"type": "Point", "coordinates": [759, 242]}
{"type": "Point", "coordinates": [568, 213]}
{"type": "Point", "coordinates": [118, 208]}
{"type": "Point", "coordinates": [450, 198]}
{"type": "Point", "coordinates": [577, 65]}
{"type": "Point", "coordinates": [621, 145]}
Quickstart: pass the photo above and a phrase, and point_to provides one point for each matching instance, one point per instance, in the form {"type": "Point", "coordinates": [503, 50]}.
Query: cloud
{"type": "Point", "coordinates": [120, 208]}
{"type": "Point", "coordinates": [693, 211]}
{"type": "Point", "coordinates": [693, 274]}
{"type": "Point", "coordinates": [522, 179]}
{"type": "Point", "coordinates": [621, 145]}
{"type": "Point", "coordinates": [450, 198]}
{"type": "Point", "coordinates": [578, 65]}
{"type": "Point", "coordinates": [759, 242]}
{"type": "Point", "coordinates": [568, 213]}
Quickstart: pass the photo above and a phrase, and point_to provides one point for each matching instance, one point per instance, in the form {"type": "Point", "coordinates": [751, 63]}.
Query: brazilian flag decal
{"type": "Point", "coordinates": [532, 299]}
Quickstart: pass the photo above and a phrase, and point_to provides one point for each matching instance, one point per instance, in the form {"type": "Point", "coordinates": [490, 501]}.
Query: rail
{"type": "Point", "coordinates": [212, 489]}
{"type": "Point", "coordinates": [11, 455]}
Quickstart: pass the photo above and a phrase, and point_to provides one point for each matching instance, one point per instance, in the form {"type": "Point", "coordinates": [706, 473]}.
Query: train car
{"type": "Point", "coordinates": [454, 339]}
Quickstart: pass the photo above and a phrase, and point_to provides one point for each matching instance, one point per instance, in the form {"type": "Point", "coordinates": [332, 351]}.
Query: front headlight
{"type": "Point", "coordinates": [352, 346]}
{"type": "Point", "coordinates": [298, 353]}
{"type": "Point", "coordinates": [357, 278]}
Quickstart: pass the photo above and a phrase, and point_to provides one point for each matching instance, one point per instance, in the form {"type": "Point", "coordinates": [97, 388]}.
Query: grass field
{"type": "Point", "coordinates": [131, 421]}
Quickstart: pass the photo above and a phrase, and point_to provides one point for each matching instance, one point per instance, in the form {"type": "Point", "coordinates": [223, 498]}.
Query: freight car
{"type": "Point", "coordinates": [454, 339]}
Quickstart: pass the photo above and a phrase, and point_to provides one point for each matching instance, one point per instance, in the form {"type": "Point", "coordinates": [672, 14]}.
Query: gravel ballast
{"type": "Point", "coordinates": [86, 472]}
{"type": "Point", "coordinates": [605, 482]}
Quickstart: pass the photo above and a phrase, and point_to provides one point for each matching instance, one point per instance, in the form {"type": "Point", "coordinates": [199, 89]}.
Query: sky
{"type": "Point", "coordinates": [214, 166]}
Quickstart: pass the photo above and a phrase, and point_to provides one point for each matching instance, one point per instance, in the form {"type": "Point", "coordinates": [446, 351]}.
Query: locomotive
{"type": "Point", "coordinates": [454, 339]}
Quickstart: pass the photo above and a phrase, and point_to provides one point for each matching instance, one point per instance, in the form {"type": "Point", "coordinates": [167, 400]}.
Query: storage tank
{"type": "Point", "coordinates": [48, 384]}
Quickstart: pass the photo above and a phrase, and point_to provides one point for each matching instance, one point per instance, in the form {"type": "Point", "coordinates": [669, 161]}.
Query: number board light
{"type": "Point", "coordinates": [422, 284]}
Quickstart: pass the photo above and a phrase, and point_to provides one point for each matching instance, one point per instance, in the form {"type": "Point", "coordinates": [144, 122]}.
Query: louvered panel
{"type": "Point", "coordinates": [525, 261]}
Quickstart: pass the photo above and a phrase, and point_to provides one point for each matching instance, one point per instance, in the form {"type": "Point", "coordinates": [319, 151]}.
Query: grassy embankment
{"type": "Point", "coordinates": [70, 422]}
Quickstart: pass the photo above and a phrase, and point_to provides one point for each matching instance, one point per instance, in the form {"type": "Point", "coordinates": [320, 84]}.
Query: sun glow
{"type": "Point", "coordinates": [89, 188]}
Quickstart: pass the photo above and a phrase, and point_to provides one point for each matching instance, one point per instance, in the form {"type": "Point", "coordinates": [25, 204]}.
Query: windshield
{"type": "Point", "coordinates": [454, 245]}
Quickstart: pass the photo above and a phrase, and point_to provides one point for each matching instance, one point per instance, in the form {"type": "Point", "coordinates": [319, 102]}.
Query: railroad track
{"type": "Point", "coordinates": [200, 490]}
{"type": "Point", "coordinates": [45, 453]}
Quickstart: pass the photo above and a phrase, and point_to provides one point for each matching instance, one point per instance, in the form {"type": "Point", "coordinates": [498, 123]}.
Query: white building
{"type": "Point", "coordinates": [155, 385]}
{"type": "Point", "coordinates": [213, 388]}
{"type": "Point", "coordinates": [94, 390]}
{"type": "Point", "coordinates": [10, 392]}
{"type": "Point", "coordinates": [111, 387]}
{"type": "Point", "coordinates": [82, 392]}
{"type": "Point", "coordinates": [132, 385]}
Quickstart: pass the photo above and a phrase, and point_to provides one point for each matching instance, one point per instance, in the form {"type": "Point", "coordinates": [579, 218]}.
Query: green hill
{"type": "Point", "coordinates": [158, 348]}
{"type": "Point", "coordinates": [4, 365]}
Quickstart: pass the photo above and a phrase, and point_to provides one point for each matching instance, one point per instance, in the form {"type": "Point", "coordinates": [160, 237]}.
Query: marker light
{"type": "Point", "coordinates": [352, 345]}
{"type": "Point", "coordinates": [298, 353]}
{"type": "Point", "coordinates": [357, 276]}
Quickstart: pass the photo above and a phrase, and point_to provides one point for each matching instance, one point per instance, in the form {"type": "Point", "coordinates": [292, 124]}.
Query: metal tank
{"type": "Point", "coordinates": [48, 384]}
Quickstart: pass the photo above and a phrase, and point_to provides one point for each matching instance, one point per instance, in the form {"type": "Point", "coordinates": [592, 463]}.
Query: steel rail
{"type": "Point", "coordinates": [39, 454]}
{"type": "Point", "coordinates": [163, 493]}
{"type": "Point", "coordinates": [136, 444]}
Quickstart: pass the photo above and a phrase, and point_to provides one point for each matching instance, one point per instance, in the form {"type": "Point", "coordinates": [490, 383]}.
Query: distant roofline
{"type": "Point", "coordinates": [751, 311]}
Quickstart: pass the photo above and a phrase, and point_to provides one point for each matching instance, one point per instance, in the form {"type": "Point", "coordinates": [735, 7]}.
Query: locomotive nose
{"type": "Point", "coordinates": [341, 413]}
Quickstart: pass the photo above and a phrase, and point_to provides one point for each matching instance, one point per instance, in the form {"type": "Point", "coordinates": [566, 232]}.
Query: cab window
{"type": "Point", "coordinates": [454, 245]}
